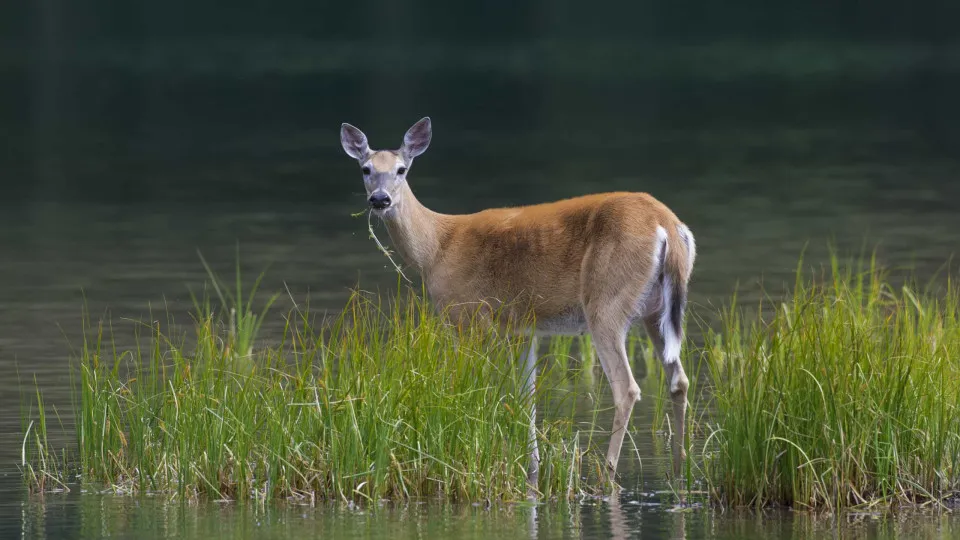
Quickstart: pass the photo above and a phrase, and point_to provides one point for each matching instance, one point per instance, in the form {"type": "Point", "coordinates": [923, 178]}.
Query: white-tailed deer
{"type": "Point", "coordinates": [589, 264]}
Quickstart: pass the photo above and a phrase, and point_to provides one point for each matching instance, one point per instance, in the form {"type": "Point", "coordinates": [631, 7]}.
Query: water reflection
{"type": "Point", "coordinates": [95, 516]}
{"type": "Point", "coordinates": [618, 522]}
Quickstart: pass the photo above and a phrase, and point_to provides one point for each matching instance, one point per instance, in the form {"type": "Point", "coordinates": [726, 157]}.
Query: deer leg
{"type": "Point", "coordinates": [530, 382]}
{"type": "Point", "coordinates": [610, 342]}
{"type": "Point", "coordinates": [676, 380]}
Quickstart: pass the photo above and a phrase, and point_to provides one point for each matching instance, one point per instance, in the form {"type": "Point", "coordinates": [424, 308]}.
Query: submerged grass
{"type": "Point", "coordinates": [846, 394]}
{"type": "Point", "coordinates": [384, 401]}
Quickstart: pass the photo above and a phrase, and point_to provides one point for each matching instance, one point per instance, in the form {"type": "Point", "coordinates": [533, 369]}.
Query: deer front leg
{"type": "Point", "coordinates": [530, 381]}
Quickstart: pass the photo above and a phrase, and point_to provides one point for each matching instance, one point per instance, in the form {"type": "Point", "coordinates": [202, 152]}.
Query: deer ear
{"type": "Point", "coordinates": [354, 142]}
{"type": "Point", "coordinates": [417, 138]}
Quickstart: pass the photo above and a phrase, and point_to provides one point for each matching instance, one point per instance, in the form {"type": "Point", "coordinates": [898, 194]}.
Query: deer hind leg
{"type": "Point", "coordinates": [612, 291]}
{"type": "Point", "coordinates": [609, 337]}
{"type": "Point", "coordinates": [666, 345]}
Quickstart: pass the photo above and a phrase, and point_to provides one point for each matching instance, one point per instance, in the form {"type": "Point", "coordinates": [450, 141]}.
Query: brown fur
{"type": "Point", "coordinates": [594, 263]}
{"type": "Point", "coordinates": [384, 161]}
{"type": "Point", "coordinates": [549, 258]}
{"type": "Point", "coordinates": [581, 264]}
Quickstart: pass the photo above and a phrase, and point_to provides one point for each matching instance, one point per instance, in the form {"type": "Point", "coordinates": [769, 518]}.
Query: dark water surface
{"type": "Point", "coordinates": [631, 516]}
{"type": "Point", "coordinates": [116, 174]}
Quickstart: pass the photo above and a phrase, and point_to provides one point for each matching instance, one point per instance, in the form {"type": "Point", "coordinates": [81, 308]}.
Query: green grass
{"type": "Point", "coordinates": [383, 401]}
{"type": "Point", "coordinates": [845, 394]}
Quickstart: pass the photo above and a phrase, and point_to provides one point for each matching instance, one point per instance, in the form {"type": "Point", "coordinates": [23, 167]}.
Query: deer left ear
{"type": "Point", "coordinates": [417, 138]}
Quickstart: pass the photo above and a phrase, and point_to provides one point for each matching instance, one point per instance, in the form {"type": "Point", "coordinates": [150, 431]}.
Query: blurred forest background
{"type": "Point", "coordinates": [141, 100]}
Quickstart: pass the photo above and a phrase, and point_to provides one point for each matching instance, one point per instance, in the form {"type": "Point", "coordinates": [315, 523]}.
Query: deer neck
{"type": "Point", "coordinates": [414, 230]}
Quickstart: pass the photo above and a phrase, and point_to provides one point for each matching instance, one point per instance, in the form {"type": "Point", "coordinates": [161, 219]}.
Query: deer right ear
{"type": "Point", "coordinates": [354, 142]}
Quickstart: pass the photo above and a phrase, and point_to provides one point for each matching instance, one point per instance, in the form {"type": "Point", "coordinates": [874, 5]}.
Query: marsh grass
{"type": "Point", "coordinates": [383, 401]}
{"type": "Point", "coordinates": [845, 394]}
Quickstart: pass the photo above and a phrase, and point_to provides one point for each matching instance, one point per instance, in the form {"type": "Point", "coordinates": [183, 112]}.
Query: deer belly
{"type": "Point", "coordinates": [569, 322]}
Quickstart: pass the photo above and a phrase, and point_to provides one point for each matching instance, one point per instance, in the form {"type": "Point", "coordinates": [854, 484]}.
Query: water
{"type": "Point", "coordinates": [92, 516]}
{"type": "Point", "coordinates": [122, 164]}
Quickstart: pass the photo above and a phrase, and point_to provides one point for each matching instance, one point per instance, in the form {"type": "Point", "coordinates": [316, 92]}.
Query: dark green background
{"type": "Point", "coordinates": [134, 133]}
{"type": "Point", "coordinates": [140, 100]}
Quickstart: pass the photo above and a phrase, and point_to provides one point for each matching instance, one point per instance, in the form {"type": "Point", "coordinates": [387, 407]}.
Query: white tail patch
{"type": "Point", "coordinates": [687, 237]}
{"type": "Point", "coordinates": [671, 341]}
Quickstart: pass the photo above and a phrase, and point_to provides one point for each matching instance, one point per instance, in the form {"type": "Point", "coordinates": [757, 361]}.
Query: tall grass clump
{"type": "Point", "coordinates": [845, 394]}
{"type": "Point", "coordinates": [383, 401]}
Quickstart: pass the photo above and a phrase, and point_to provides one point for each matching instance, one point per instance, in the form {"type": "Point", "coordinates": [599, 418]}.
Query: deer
{"type": "Point", "coordinates": [591, 264]}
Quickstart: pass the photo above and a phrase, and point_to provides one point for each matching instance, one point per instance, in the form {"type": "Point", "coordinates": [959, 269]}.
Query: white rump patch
{"type": "Point", "coordinates": [660, 250]}
{"type": "Point", "coordinates": [650, 301]}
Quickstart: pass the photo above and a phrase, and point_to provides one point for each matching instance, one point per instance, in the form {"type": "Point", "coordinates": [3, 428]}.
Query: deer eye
{"type": "Point", "coordinates": [402, 170]}
{"type": "Point", "coordinates": [366, 170]}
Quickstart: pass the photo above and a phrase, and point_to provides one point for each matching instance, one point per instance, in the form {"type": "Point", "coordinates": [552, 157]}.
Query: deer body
{"type": "Point", "coordinates": [594, 264]}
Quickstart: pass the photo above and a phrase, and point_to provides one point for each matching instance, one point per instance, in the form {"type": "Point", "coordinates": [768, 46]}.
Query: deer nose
{"type": "Point", "coordinates": [379, 200]}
